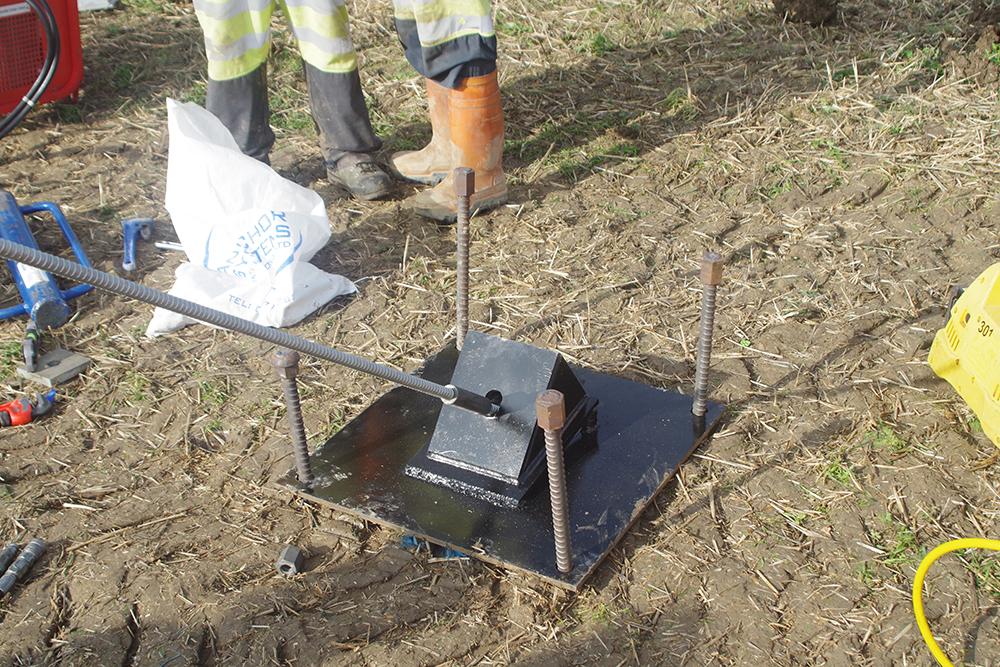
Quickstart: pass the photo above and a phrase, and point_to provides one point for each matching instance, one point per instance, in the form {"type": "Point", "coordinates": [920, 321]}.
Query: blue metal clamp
{"type": "Point", "coordinates": [43, 301]}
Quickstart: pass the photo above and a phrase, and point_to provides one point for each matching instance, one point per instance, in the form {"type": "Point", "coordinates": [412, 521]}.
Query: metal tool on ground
{"type": "Point", "coordinates": [169, 245]}
{"type": "Point", "coordinates": [31, 553]}
{"type": "Point", "coordinates": [550, 407]}
{"type": "Point", "coordinates": [42, 300]}
{"type": "Point", "coordinates": [461, 467]}
{"type": "Point", "coordinates": [286, 367]}
{"type": "Point", "coordinates": [966, 352]}
{"type": "Point", "coordinates": [290, 560]}
{"type": "Point", "coordinates": [134, 229]}
{"type": "Point", "coordinates": [465, 186]}
{"type": "Point", "coordinates": [7, 556]}
{"type": "Point", "coordinates": [29, 347]}
{"type": "Point", "coordinates": [25, 410]}
{"type": "Point", "coordinates": [711, 277]}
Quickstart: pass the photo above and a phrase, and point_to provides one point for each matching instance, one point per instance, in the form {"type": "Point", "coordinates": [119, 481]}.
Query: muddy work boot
{"type": "Point", "coordinates": [475, 126]}
{"type": "Point", "coordinates": [431, 164]}
{"type": "Point", "coordinates": [360, 175]}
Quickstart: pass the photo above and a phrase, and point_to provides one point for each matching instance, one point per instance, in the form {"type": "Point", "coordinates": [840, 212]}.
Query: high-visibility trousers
{"type": "Point", "coordinates": [440, 37]}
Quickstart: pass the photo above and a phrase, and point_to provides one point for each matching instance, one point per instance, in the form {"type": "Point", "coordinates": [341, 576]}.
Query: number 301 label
{"type": "Point", "coordinates": [985, 329]}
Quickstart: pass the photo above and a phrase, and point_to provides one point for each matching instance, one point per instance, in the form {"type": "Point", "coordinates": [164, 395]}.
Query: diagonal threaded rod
{"type": "Point", "coordinates": [286, 367]}
{"type": "Point", "coordinates": [73, 271]}
{"type": "Point", "coordinates": [465, 184]}
{"type": "Point", "coordinates": [550, 409]}
{"type": "Point", "coordinates": [711, 276]}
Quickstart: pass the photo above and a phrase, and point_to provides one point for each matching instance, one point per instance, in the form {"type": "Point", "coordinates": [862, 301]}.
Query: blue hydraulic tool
{"type": "Point", "coordinates": [43, 301]}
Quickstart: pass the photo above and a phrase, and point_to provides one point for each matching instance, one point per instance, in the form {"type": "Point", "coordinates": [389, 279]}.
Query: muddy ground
{"type": "Point", "coordinates": [849, 174]}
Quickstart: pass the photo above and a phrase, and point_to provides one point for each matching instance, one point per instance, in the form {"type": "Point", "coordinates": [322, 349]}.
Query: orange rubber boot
{"type": "Point", "coordinates": [476, 134]}
{"type": "Point", "coordinates": [431, 164]}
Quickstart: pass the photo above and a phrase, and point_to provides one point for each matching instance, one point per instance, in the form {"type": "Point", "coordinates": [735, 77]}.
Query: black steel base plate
{"type": "Point", "coordinates": [643, 436]}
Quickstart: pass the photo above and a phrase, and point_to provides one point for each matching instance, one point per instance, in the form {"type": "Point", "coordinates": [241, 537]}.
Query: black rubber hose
{"type": "Point", "coordinates": [49, 66]}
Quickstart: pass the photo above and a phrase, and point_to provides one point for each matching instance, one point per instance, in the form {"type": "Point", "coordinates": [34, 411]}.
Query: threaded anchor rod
{"type": "Point", "coordinates": [41, 260]}
{"type": "Point", "coordinates": [465, 186]}
{"type": "Point", "coordinates": [286, 367]}
{"type": "Point", "coordinates": [550, 409]}
{"type": "Point", "coordinates": [711, 276]}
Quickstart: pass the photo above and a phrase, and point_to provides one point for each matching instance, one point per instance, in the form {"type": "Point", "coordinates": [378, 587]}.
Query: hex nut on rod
{"type": "Point", "coordinates": [550, 410]}
{"type": "Point", "coordinates": [465, 186]}
{"type": "Point", "coordinates": [711, 277]}
{"type": "Point", "coordinates": [31, 553]}
{"type": "Point", "coordinates": [286, 367]}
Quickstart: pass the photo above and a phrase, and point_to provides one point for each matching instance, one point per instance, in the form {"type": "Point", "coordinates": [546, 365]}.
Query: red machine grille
{"type": "Point", "coordinates": [22, 48]}
{"type": "Point", "coordinates": [22, 52]}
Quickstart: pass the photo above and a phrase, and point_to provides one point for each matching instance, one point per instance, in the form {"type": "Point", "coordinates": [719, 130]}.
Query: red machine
{"type": "Point", "coordinates": [23, 47]}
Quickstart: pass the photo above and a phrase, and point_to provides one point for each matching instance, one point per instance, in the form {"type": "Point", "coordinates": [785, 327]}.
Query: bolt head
{"type": "Point", "coordinates": [711, 268]}
{"type": "Point", "coordinates": [550, 410]}
{"type": "Point", "coordinates": [285, 363]}
{"type": "Point", "coordinates": [465, 181]}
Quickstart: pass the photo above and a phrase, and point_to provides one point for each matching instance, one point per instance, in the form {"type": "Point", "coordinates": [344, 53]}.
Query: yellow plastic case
{"type": "Point", "coordinates": [966, 352]}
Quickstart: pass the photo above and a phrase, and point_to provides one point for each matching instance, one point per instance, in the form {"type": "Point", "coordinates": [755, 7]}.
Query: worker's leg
{"type": "Point", "coordinates": [338, 104]}
{"type": "Point", "coordinates": [453, 45]}
{"type": "Point", "coordinates": [237, 41]}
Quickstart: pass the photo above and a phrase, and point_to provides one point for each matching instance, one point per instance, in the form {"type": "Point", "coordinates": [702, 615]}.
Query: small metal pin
{"type": "Point", "coordinates": [286, 367]}
{"type": "Point", "coordinates": [550, 409]}
{"type": "Point", "coordinates": [465, 186]}
{"type": "Point", "coordinates": [711, 277]}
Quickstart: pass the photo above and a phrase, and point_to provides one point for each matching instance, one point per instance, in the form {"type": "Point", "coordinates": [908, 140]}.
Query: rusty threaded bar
{"type": "Point", "coordinates": [711, 276]}
{"type": "Point", "coordinates": [465, 185]}
{"type": "Point", "coordinates": [286, 367]}
{"type": "Point", "coordinates": [550, 408]}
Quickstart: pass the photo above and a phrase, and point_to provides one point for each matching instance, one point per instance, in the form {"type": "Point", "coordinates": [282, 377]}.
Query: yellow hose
{"type": "Point", "coordinates": [918, 585]}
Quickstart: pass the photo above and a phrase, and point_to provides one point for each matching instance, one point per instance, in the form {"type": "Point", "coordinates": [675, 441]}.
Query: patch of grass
{"type": "Point", "coordinates": [214, 426]}
{"type": "Point", "coordinates": [212, 392]}
{"type": "Point", "coordinates": [599, 45]}
{"type": "Point", "coordinates": [835, 471]}
{"type": "Point", "coordinates": [195, 93]}
{"type": "Point", "coordinates": [883, 437]}
{"type": "Point", "coordinates": [513, 28]}
{"type": "Point", "coordinates": [123, 76]}
{"type": "Point", "coordinates": [832, 151]}
{"type": "Point", "coordinates": [929, 57]}
{"type": "Point", "coordinates": [679, 104]}
{"type": "Point", "coordinates": [897, 541]}
{"type": "Point", "coordinates": [974, 424]}
{"type": "Point", "coordinates": [985, 567]}
{"type": "Point", "coordinates": [993, 55]}
{"type": "Point", "coordinates": [136, 386]}
{"type": "Point", "coordinates": [866, 573]}
{"type": "Point", "coordinates": [10, 357]}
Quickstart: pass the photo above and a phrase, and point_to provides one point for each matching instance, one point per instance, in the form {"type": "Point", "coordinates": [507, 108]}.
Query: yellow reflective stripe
{"type": "Point", "coordinates": [427, 11]}
{"type": "Point", "coordinates": [402, 10]}
{"type": "Point", "coordinates": [328, 62]}
{"type": "Point", "coordinates": [232, 69]}
{"type": "Point", "coordinates": [331, 25]}
{"type": "Point", "coordinates": [438, 32]}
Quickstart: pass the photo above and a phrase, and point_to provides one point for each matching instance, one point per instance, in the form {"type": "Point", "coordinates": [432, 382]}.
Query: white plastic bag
{"type": "Point", "coordinates": [248, 233]}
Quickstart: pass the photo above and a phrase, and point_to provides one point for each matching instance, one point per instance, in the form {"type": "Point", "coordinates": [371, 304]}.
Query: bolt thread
{"type": "Point", "coordinates": [462, 282]}
{"type": "Point", "coordinates": [704, 350]}
{"type": "Point", "coordinates": [560, 501]}
{"type": "Point", "coordinates": [131, 290]}
{"type": "Point", "coordinates": [29, 555]}
{"type": "Point", "coordinates": [296, 425]}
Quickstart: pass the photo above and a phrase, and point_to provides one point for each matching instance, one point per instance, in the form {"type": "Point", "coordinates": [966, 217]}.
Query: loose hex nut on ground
{"type": "Point", "coordinates": [285, 363]}
{"type": "Point", "coordinates": [290, 560]}
{"type": "Point", "coordinates": [711, 268]}
{"type": "Point", "coordinates": [465, 181]}
{"type": "Point", "coordinates": [550, 410]}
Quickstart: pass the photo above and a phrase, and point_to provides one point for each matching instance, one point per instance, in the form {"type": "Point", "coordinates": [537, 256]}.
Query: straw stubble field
{"type": "Point", "coordinates": [848, 173]}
